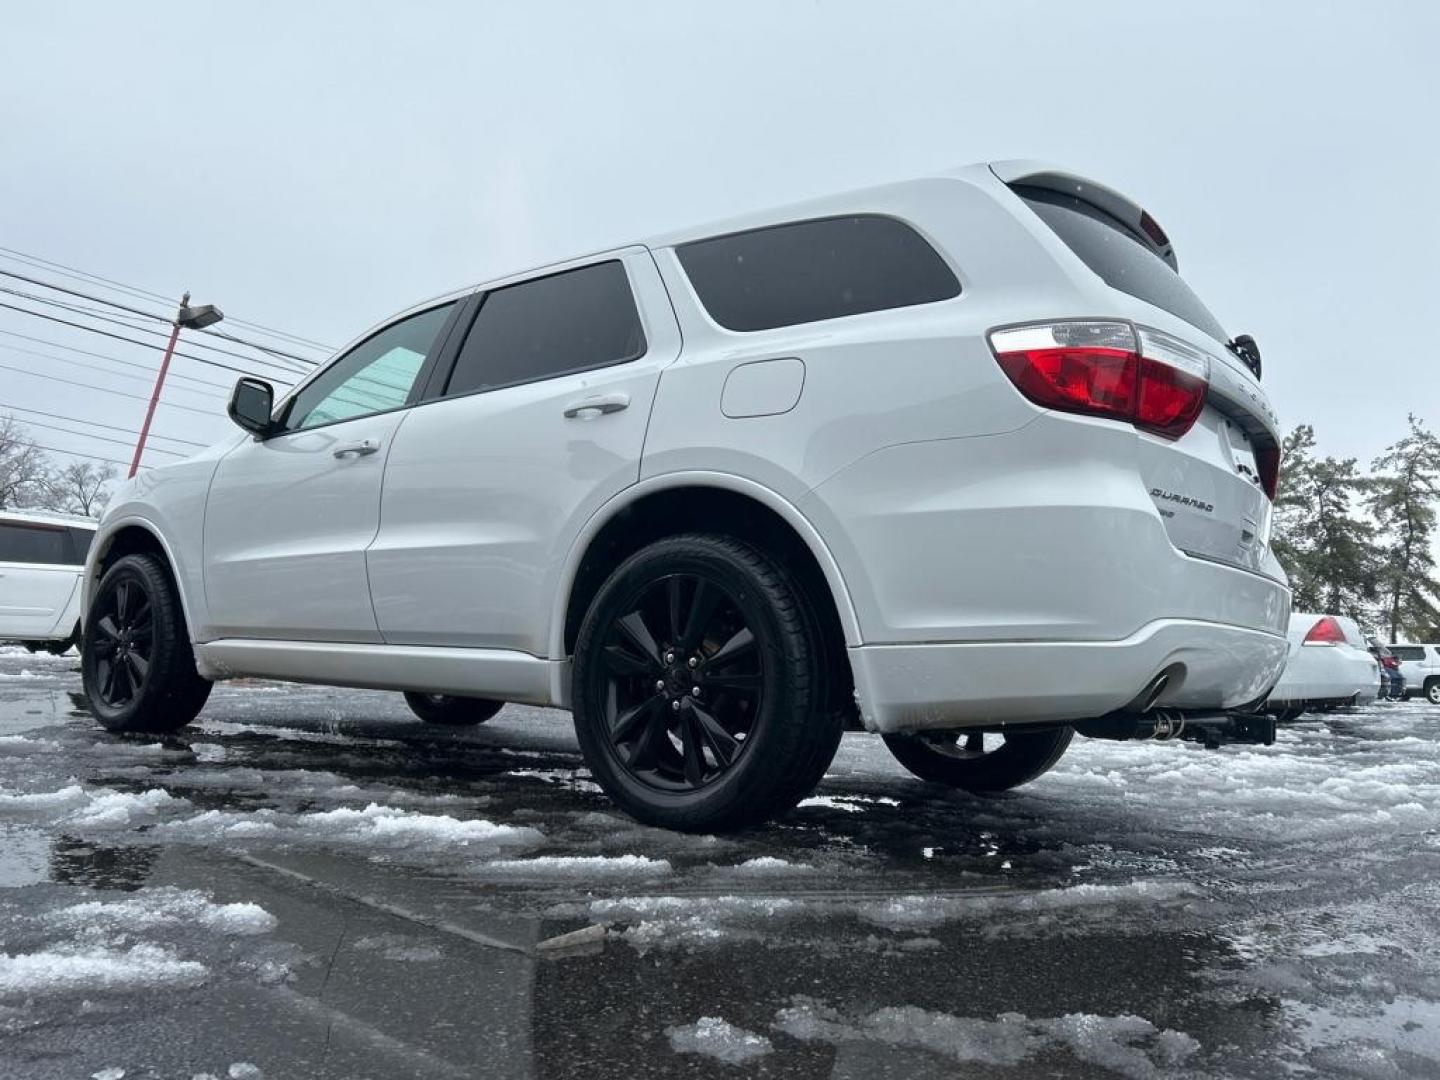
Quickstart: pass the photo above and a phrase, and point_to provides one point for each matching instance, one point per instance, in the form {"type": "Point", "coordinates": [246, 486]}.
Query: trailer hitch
{"type": "Point", "coordinates": [1211, 729]}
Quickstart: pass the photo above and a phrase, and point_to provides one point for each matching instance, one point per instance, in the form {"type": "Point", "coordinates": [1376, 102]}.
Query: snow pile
{"type": "Point", "coordinates": [375, 828]}
{"type": "Point", "coordinates": [13, 746]}
{"type": "Point", "coordinates": [590, 867]}
{"type": "Point", "coordinates": [670, 921]}
{"type": "Point", "coordinates": [163, 907]}
{"type": "Point", "coordinates": [913, 912]}
{"type": "Point", "coordinates": [90, 808]}
{"type": "Point", "coordinates": [1127, 1045]}
{"type": "Point", "coordinates": [90, 969]}
{"type": "Point", "coordinates": [713, 1037]}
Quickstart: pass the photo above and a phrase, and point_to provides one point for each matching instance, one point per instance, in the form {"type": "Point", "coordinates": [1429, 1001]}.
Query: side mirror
{"type": "Point", "coordinates": [251, 403]}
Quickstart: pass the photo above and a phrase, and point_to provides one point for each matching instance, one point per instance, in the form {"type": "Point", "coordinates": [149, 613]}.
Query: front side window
{"type": "Point", "coordinates": [808, 271]}
{"type": "Point", "coordinates": [375, 376]}
{"type": "Point", "coordinates": [1408, 652]}
{"type": "Point", "coordinates": [42, 544]}
{"type": "Point", "coordinates": [572, 321]}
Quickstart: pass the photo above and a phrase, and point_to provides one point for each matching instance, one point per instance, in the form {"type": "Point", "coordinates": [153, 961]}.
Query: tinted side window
{"type": "Point", "coordinates": [1121, 259]}
{"type": "Point", "coordinates": [813, 270]}
{"type": "Point", "coordinates": [34, 544]}
{"type": "Point", "coordinates": [376, 375]}
{"type": "Point", "coordinates": [537, 329]}
{"type": "Point", "coordinates": [1408, 652]}
{"type": "Point", "coordinates": [80, 540]}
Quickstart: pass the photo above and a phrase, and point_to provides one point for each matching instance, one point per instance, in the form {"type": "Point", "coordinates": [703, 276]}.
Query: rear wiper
{"type": "Point", "coordinates": [1243, 346]}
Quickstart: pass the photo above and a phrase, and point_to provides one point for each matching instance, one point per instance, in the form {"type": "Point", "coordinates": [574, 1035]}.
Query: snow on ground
{"type": "Point", "coordinates": [80, 807]}
{"type": "Point", "coordinates": [1124, 1045]}
{"type": "Point", "coordinates": [94, 968]}
{"type": "Point", "coordinates": [713, 1037]}
{"type": "Point", "coordinates": [584, 867]}
{"type": "Point", "coordinates": [163, 907]}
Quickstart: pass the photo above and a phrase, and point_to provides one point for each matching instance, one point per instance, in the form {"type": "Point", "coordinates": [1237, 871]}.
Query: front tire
{"type": "Point", "coordinates": [697, 686]}
{"type": "Point", "coordinates": [979, 762]}
{"type": "Point", "coordinates": [450, 710]}
{"type": "Point", "coordinates": [1432, 691]}
{"type": "Point", "coordinates": [136, 663]}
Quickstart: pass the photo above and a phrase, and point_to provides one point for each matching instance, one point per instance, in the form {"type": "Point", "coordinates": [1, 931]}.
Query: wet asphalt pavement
{"type": "Point", "coordinates": [312, 884]}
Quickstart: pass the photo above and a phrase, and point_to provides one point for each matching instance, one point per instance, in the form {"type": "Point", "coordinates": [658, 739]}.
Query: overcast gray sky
{"type": "Point", "coordinates": [315, 166]}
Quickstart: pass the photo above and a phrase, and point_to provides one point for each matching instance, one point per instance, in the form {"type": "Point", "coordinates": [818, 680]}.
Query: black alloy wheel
{"type": "Point", "coordinates": [697, 686]}
{"type": "Point", "coordinates": [136, 662]}
{"type": "Point", "coordinates": [980, 761]}
{"type": "Point", "coordinates": [684, 682]}
{"type": "Point", "coordinates": [124, 642]}
{"type": "Point", "coordinates": [452, 710]}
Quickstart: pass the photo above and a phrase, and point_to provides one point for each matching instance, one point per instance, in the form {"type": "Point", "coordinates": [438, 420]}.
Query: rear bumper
{"type": "Point", "coordinates": [1327, 673]}
{"type": "Point", "coordinates": [915, 686]}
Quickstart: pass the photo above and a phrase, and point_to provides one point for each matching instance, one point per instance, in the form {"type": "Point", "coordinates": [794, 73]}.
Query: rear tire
{"type": "Point", "coordinates": [1432, 691]}
{"type": "Point", "coordinates": [450, 710]}
{"type": "Point", "coordinates": [956, 759]}
{"type": "Point", "coordinates": [715, 615]}
{"type": "Point", "coordinates": [136, 663]}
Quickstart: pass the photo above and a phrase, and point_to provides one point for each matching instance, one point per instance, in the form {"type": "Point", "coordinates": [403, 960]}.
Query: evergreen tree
{"type": "Point", "coordinates": [1325, 547]}
{"type": "Point", "coordinates": [1403, 499]}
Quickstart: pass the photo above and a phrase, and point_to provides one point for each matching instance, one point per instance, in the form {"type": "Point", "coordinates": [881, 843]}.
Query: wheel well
{"type": "Point", "coordinates": [713, 510]}
{"type": "Point", "coordinates": [134, 540]}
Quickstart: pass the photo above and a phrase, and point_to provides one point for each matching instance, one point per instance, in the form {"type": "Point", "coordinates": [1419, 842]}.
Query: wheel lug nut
{"type": "Point", "coordinates": [660, 684]}
{"type": "Point", "coordinates": [694, 661]}
{"type": "Point", "coordinates": [669, 658]}
{"type": "Point", "coordinates": [675, 705]}
{"type": "Point", "coordinates": [695, 691]}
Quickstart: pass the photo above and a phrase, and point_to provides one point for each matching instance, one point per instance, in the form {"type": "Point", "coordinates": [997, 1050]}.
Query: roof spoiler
{"type": "Point", "coordinates": [1132, 216]}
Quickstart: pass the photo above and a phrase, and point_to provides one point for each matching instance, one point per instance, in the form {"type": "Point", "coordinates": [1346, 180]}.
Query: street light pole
{"type": "Point", "coordinates": [194, 318]}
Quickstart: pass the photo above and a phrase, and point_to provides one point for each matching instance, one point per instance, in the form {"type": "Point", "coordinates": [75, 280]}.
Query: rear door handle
{"type": "Point", "coordinates": [364, 448]}
{"type": "Point", "coordinates": [597, 406]}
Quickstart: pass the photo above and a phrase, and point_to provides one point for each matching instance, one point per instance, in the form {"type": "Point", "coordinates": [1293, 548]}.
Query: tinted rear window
{"type": "Point", "coordinates": [47, 545]}
{"type": "Point", "coordinates": [809, 271]}
{"type": "Point", "coordinates": [1120, 257]}
{"type": "Point", "coordinates": [572, 321]}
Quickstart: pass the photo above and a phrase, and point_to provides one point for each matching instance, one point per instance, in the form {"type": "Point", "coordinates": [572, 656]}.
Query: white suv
{"type": "Point", "coordinates": [41, 559]}
{"type": "Point", "coordinates": [960, 460]}
{"type": "Point", "coordinates": [1420, 664]}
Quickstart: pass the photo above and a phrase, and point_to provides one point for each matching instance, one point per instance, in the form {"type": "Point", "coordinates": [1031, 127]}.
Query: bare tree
{"type": "Point", "coordinates": [24, 468]}
{"type": "Point", "coordinates": [80, 488]}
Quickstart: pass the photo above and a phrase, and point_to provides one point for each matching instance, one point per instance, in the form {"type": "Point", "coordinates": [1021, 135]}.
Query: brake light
{"type": "Point", "coordinates": [1105, 369]}
{"type": "Point", "coordinates": [1267, 460]}
{"type": "Point", "coordinates": [1325, 632]}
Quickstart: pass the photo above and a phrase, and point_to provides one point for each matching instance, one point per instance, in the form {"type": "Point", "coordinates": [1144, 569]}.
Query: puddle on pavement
{"type": "Point", "coordinates": [30, 856]}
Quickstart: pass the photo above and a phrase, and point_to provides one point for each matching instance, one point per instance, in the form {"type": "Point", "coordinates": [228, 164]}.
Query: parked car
{"type": "Point", "coordinates": [42, 557]}
{"type": "Point", "coordinates": [960, 460]}
{"type": "Point", "coordinates": [1329, 666]}
{"type": "Point", "coordinates": [1392, 682]}
{"type": "Point", "coordinates": [1420, 664]}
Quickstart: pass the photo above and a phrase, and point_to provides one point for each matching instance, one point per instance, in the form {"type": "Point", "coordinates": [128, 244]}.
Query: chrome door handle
{"type": "Point", "coordinates": [597, 406]}
{"type": "Point", "coordinates": [360, 449]}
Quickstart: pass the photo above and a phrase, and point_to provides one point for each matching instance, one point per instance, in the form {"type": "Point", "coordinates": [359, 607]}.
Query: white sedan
{"type": "Point", "coordinates": [1329, 666]}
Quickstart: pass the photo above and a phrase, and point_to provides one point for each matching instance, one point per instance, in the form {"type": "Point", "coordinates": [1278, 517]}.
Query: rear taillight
{"type": "Point", "coordinates": [1267, 461]}
{"type": "Point", "coordinates": [1154, 381]}
{"type": "Point", "coordinates": [1325, 632]}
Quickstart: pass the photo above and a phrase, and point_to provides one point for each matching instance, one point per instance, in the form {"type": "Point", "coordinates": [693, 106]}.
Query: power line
{"type": "Point", "coordinates": [137, 312]}
{"type": "Point", "coordinates": [95, 423]}
{"type": "Point", "coordinates": [146, 344]}
{"type": "Point", "coordinates": [77, 453]}
{"type": "Point", "coordinates": [133, 290]}
{"type": "Point", "coordinates": [224, 387]}
{"type": "Point", "coordinates": [102, 438]}
{"type": "Point", "coordinates": [109, 372]}
{"type": "Point", "coordinates": [103, 389]}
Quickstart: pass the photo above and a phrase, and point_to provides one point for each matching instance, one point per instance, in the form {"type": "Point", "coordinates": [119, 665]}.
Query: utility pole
{"type": "Point", "coordinates": [194, 318]}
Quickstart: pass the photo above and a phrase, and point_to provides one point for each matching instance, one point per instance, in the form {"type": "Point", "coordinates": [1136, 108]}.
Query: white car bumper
{"type": "Point", "coordinates": [1212, 666]}
{"type": "Point", "coordinates": [1327, 673]}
